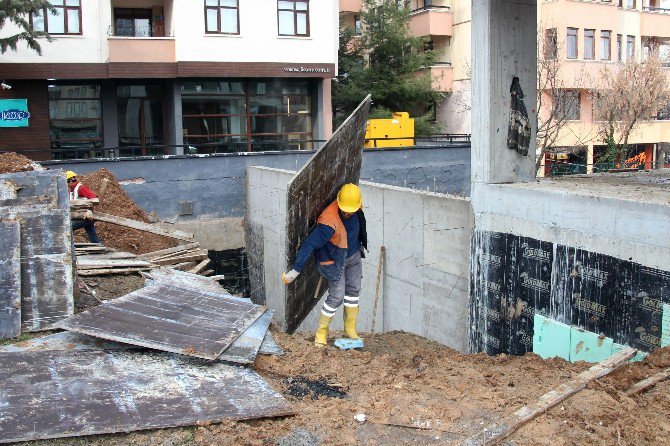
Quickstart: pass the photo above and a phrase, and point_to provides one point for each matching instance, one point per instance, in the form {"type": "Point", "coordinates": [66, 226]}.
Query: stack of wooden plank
{"type": "Point", "coordinates": [187, 257]}
{"type": "Point", "coordinates": [36, 279]}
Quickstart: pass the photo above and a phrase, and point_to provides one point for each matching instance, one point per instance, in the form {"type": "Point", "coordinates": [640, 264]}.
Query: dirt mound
{"type": "Point", "coordinates": [11, 162]}
{"type": "Point", "coordinates": [117, 202]}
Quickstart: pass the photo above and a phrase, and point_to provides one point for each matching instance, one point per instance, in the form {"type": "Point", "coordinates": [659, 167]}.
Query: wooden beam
{"type": "Point", "coordinates": [103, 272]}
{"type": "Point", "coordinates": [163, 252]}
{"type": "Point", "coordinates": [509, 424]}
{"type": "Point", "coordinates": [200, 266]}
{"type": "Point", "coordinates": [111, 263]}
{"type": "Point", "coordinates": [648, 383]}
{"type": "Point", "coordinates": [185, 258]}
{"type": "Point", "coordinates": [140, 226]}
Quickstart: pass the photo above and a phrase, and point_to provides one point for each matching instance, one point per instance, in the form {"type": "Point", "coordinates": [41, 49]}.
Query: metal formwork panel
{"type": "Point", "coordinates": [313, 188]}
{"type": "Point", "coordinates": [10, 279]}
{"type": "Point", "coordinates": [171, 318]}
{"type": "Point", "coordinates": [51, 394]}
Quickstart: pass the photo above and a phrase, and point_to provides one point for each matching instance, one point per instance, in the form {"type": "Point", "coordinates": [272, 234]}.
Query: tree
{"type": "Point", "coordinates": [18, 12]}
{"type": "Point", "coordinates": [628, 97]}
{"type": "Point", "coordinates": [554, 103]}
{"type": "Point", "coordinates": [383, 61]}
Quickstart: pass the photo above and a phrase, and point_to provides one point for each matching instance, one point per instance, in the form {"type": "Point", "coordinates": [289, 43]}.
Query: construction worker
{"type": "Point", "coordinates": [337, 243]}
{"type": "Point", "coordinates": [78, 192]}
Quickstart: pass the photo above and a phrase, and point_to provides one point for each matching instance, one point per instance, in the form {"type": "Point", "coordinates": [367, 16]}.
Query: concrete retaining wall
{"type": "Point", "coordinates": [424, 289]}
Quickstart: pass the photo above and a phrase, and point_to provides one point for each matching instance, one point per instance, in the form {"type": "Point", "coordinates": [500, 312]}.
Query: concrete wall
{"type": "Point", "coordinates": [424, 288]}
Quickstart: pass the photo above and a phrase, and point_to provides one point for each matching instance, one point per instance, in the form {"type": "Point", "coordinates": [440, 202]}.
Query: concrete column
{"type": "Point", "coordinates": [110, 114]}
{"type": "Point", "coordinates": [173, 119]}
{"type": "Point", "coordinates": [504, 34]}
{"type": "Point", "coordinates": [589, 158]}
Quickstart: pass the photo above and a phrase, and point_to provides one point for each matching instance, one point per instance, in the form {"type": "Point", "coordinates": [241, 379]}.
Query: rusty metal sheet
{"type": "Point", "coordinates": [245, 348]}
{"type": "Point", "coordinates": [171, 318]}
{"type": "Point", "coordinates": [52, 394]}
{"type": "Point", "coordinates": [313, 188]}
{"type": "Point", "coordinates": [47, 279]}
{"type": "Point", "coordinates": [10, 279]}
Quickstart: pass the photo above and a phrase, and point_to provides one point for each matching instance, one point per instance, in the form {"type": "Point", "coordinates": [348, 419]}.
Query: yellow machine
{"type": "Point", "coordinates": [395, 132]}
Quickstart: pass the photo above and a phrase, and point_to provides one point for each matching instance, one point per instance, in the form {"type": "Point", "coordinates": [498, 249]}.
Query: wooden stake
{"type": "Point", "coordinates": [509, 424]}
{"type": "Point", "coordinates": [648, 383]}
{"type": "Point", "coordinates": [103, 188]}
{"type": "Point", "coordinates": [380, 265]}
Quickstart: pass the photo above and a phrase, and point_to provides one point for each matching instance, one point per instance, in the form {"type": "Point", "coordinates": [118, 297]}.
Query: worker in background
{"type": "Point", "coordinates": [337, 243]}
{"type": "Point", "coordinates": [79, 192]}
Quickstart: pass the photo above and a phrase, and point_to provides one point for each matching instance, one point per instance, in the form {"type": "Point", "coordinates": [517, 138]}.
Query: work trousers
{"type": "Point", "coordinates": [347, 288]}
{"type": "Point", "coordinates": [89, 226]}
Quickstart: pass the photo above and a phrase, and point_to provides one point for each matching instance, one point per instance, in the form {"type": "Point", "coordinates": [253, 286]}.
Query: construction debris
{"type": "Point", "coordinates": [170, 317]}
{"type": "Point", "coordinates": [50, 394]}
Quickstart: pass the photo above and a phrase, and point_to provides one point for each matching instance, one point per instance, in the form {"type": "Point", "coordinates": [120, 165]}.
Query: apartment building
{"type": "Point", "coordinates": [149, 77]}
{"type": "Point", "coordinates": [446, 26]}
{"type": "Point", "coordinates": [588, 37]}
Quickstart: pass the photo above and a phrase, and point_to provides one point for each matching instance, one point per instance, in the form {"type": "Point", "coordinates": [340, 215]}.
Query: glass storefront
{"type": "Point", "coordinates": [75, 113]}
{"type": "Point", "coordinates": [230, 115]}
{"type": "Point", "coordinates": [140, 119]}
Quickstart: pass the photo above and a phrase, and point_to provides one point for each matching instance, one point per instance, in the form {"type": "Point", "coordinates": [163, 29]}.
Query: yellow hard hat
{"type": "Point", "coordinates": [349, 198]}
{"type": "Point", "coordinates": [69, 174]}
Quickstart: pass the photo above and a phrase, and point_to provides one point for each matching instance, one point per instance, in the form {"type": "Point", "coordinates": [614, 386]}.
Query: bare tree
{"type": "Point", "coordinates": [554, 106]}
{"type": "Point", "coordinates": [628, 97]}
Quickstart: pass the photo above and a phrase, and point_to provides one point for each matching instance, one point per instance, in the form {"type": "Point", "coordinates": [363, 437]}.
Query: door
{"type": "Point", "coordinates": [140, 118]}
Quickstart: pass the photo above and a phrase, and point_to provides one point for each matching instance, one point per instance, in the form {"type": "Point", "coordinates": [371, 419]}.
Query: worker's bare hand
{"type": "Point", "coordinates": [88, 215]}
{"type": "Point", "coordinates": [289, 276]}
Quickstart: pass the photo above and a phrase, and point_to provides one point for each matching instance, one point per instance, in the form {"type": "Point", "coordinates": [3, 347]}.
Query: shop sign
{"type": "Point", "coordinates": [14, 113]}
{"type": "Point", "coordinates": [307, 69]}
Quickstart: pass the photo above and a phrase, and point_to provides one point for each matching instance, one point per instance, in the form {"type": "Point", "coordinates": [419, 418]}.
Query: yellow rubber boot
{"type": "Point", "coordinates": [350, 318]}
{"type": "Point", "coordinates": [321, 337]}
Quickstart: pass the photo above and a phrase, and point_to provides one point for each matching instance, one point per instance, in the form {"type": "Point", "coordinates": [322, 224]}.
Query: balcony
{"type": "Point", "coordinates": [141, 47]}
{"type": "Point", "coordinates": [654, 22]}
{"type": "Point", "coordinates": [441, 74]}
{"type": "Point", "coordinates": [350, 5]}
{"type": "Point", "coordinates": [432, 21]}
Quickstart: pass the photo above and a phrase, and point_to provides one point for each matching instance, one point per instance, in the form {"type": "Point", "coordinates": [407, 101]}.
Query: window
{"type": "Point", "coordinates": [550, 44]}
{"type": "Point", "coordinates": [357, 25]}
{"type": "Point", "coordinates": [664, 113]}
{"type": "Point", "coordinates": [293, 17]}
{"type": "Point", "coordinates": [630, 47]}
{"type": "Point", "coordinates": [222, 17]}
{"type": "Point", "coordinates": [605, 45]}
{"type": "Point", "coordinates": [132, 22]}
{"type": "Point", "coordinates": [589, 44]}
{"type": "Point", "coordinates": [566, 104]}
{"type": "Point", "coordinates": [572, 43]}
{"type": "Point", "coordinates": [233, 115]}
{"type": "Point", "coordinates": [631, 4]}
{"type": "Point", "coordinates": [75, 113]}
{"type": "Point", "coordinates": [619, 47]}
{"type": "Point", "coordinates": [66, 19]}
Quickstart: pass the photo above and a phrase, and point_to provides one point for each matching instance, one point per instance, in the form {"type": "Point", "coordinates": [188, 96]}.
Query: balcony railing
{"type": "Point", "coordinates": [429, 7]}
{"type": "Point", "coordinates": [143, 32]}
{"type": "Point", "coordinates": [655, 9]}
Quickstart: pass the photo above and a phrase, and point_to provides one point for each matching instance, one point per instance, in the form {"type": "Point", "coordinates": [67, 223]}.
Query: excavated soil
{"type": "Point", "coordinates": [414, 391]}
{"type": "Point", "coordinates": [117, 202]}
{"type": "Point", "coordinates": [11, 162]}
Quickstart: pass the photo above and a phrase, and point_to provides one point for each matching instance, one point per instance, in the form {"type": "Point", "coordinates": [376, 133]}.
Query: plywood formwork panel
{"type": "Point", "coordinates": [170, 318]}
{"type": "Point", "coordinates": [10, 279]}
{"type": "Point", "coordinates": [313, 188]}
{"type": "Point", "coordinates": [51, 394]}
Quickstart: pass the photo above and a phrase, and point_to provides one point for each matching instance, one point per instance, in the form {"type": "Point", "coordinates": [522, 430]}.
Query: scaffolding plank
{"type": "Point", "coordinates": [50, 394]}
{"type": "Point", "coordinates": [313, 188]}
{"type": "Point", "coordinates": [10, 279]}
{"type": "Point", "coordinates": [171, 318]}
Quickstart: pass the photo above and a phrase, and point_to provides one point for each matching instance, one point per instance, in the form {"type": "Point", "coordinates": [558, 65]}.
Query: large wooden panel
{"type": "Point", "coordinates": [313, 188]}
{"type": "Point", "coordinates": [54, 394]}
{"type": "Point", "coordinates": [170, 318]}
{"type": "Point", "coordinates": [10, 279]}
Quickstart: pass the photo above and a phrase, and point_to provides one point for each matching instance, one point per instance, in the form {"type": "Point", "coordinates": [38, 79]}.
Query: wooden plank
{"type": "Point", "coordinates": [109, 271]}
{"type": "Point", "coordinates": [163, 252]}
{"type": "Point", "coordinates": [509, 424]}
{"type": "Point", "coordinates": [169, 317]}
{"type": "Point", "coordinates": [184, 258]}
{"type": "Point", "coordinates": [176, 254]}
{"type": "Point", "coordinates": [140, 226]}
{"type": "Point", "coordinates": [111, 263]}
{"type": "Point", "coordinates": [10, 279]}
{"type": "Point", "coordinates": [52, 394]}
{"type": "Point", "coordinates": [182, 266]}
{"type": "Point", "coordinates": [648, 383]}
{"type": "Point", "coordinates": [200, 266]}
{"type": "Point", "coordinates": [114, 255]}
{"type": "Point", "coordinates": [312, 189]}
